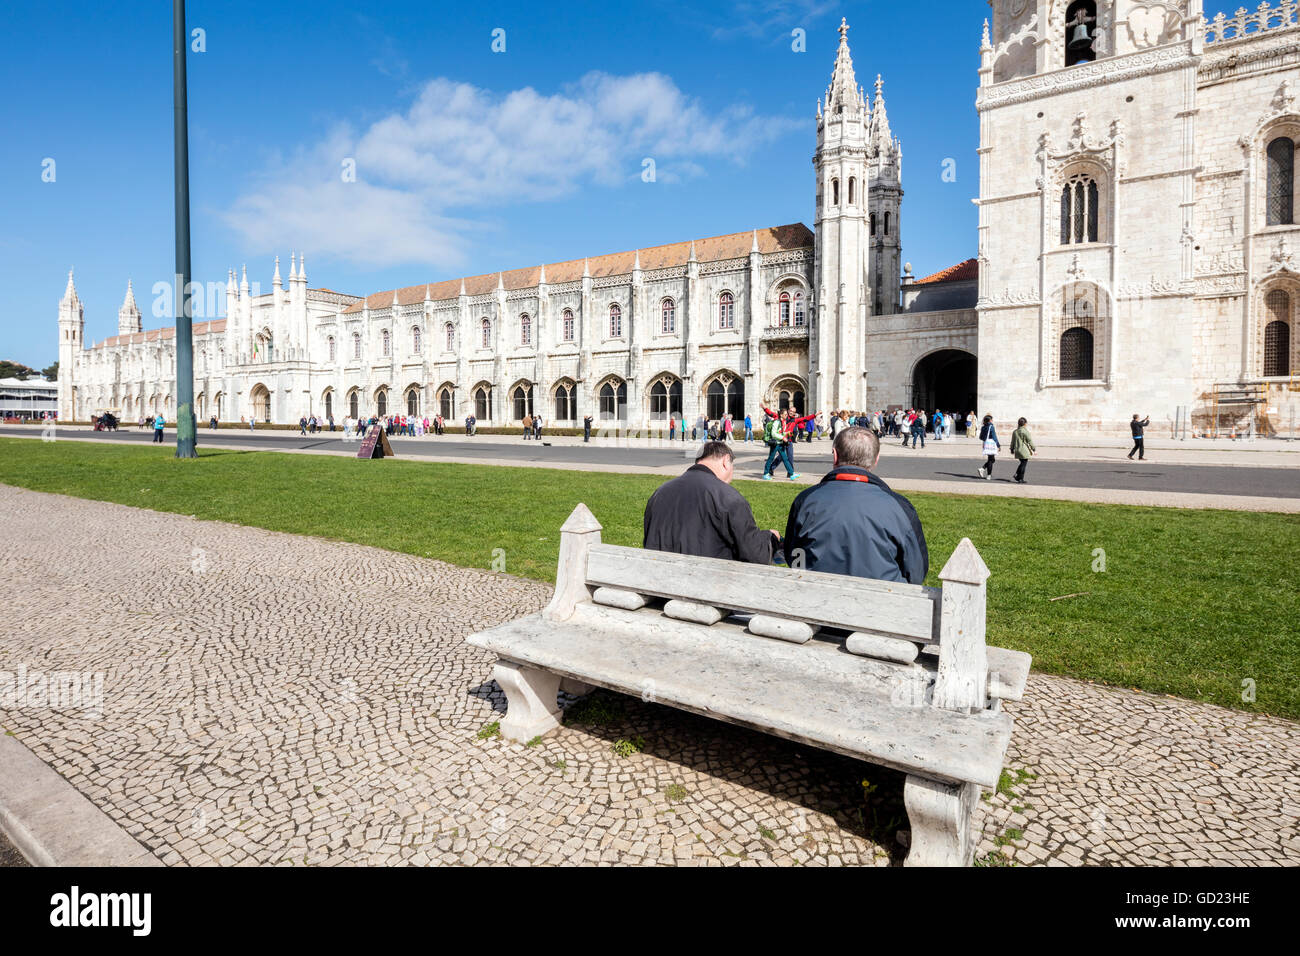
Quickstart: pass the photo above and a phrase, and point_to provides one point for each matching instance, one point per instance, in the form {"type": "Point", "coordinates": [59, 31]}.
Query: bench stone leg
{"type": "Point", "coordinates": [941, 816]}
{"type": "Point", "coordinates": [531, 706]}
{"type": "Point", "coordinates": [576, 687]}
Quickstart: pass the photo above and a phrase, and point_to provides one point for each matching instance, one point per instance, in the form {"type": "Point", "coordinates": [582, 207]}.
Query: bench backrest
{"type": "Point", "coordinates": [952, 616]}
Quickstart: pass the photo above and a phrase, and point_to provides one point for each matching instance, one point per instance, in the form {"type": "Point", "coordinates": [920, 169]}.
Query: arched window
{"type": "Point", "coordinates": [483, 402]}
{"type": "Point", "coordinates": [853, 182]}
{"type": "Point", "coordinates": [1080, 199]}
{"type": "Point", "coordinates": [613, 402]}
{"type": "Point", "coordinates": [353, 408]}
{"type": "Point", "coordinates": [487, 332]}
{"type": "Point", "coordinates": [725, 394]}
{"type": "Point", "coordinates": [873, 224]}
{"type": "Point", "coordinates": [887, 218]}
{"type": "Point", "coordinates": [783, 311]}
{"type": "Point", "coordinates": [568, 325]}
{"type": "Point", "coordinates": [1277, 334]}
{"type": "Point", "coordinates": [450, 331]}
{"type": "Point", "coordinates": [387, 343]}
{"type": "Point", "coordinates": [381, 402]}
{"type": "Point", "coordinates": [1080, 32]}
{"type": "Point", "coordinates": [1076, 355]}
{"type": "Point", "coordinates": [415, 339]}
{"type": "Point", "coordinates": [615, 322]}
{"type": "Point", "coordinates": [835, 192]}
{"type": "Point", "coordinates": [1281, 182]}
{"type": "Point", "coordinates": [412, 402]}
{"type": "Point", "coordinates": [564, 405]}
{"type": "Point", "coordinates": [446, 402]}
{"type": "Point", "coordinates": [726, 311]}
{"type": "Point", "coordinates": [522, 398]}
{"type": "Point", "coordinates": [525, 329]}
{"type": "Point", "coordinates": [333, 348]}
{"type": "Point", "coordinates": [668, 316]}
{"type": "Point", "coordinates": [799, 318]}
{"type": "Point", "coordinates": [665, 400]}
{"type": "Point", "coordinates": [356, 345]}
{"type": "Point", "coordinates": [329, 404]}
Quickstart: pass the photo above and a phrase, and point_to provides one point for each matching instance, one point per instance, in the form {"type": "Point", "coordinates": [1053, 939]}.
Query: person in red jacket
{"type": "Point", "coordinates": [789, 426]}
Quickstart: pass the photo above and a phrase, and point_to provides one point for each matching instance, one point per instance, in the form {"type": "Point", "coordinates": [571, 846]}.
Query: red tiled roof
{"type": "Point", "coordinates": [154, 335]}
{"type": "Point", "coordinates": [734, 246]}
{"type": "Point", "coordinates": [970, 269]}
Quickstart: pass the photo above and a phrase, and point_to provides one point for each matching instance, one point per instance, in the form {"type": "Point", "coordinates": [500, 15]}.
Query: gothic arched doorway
{"type": "Point", "coordinates": [947, 380]}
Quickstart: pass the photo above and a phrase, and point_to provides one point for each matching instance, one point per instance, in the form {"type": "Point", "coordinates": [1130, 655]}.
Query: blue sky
{"type": "Point", "coordinates": [467, 160]}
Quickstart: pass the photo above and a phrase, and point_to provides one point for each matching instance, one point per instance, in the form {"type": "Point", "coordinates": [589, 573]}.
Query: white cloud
{"type": "Point", "coordinates": [422, 175]}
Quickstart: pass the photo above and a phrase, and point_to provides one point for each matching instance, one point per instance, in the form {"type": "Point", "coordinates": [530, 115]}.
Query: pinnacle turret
{"type": "Point", "coordinates": [843, 95]}
{"type": "Point", "coordinates": [128, 317]}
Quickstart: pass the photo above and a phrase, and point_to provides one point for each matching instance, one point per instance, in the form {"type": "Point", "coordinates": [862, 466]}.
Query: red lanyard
{"type": "Point", "coordinates": [845, 476]}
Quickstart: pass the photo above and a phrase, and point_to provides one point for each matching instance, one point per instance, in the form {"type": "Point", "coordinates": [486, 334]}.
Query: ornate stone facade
{"type": "Point", "coordinates": [1126, 235]}
{"type": "Point", "coordinates": [704, 327]}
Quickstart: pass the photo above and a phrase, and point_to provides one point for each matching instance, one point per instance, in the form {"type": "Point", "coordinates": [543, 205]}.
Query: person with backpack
{"type": "Point", "coordinates": [989, 436]}
{"type": "Point", "coordinates": [1022, 448]}
{"type": "Point", "coordinates": [777, 442]}
{"type": "Point", "coordinates": [918, 428]}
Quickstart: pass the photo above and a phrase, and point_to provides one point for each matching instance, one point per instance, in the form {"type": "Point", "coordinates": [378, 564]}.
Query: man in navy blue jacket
{"type": "Point", "coordinates": [852, 523]}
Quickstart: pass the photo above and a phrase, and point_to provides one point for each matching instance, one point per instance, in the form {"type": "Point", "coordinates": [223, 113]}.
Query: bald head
{"type": "Point", "coordinates": [858, 447]}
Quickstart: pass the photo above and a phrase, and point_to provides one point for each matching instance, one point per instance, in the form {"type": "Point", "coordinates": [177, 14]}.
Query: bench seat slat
{"type": "Point", "coordinates": [825, 699]}
{"type": "Point", "coordinates": [832, 600]}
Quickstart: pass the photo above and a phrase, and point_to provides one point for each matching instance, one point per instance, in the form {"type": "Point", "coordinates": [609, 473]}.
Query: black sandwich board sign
{"type": "Point", "coordinates": [375, 445]}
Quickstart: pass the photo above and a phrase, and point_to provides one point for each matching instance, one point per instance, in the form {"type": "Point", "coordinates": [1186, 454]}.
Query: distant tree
{"type": "Point", "coordinates": [51, 373]}
{"type": "Point", "coordinates": [15, 370]}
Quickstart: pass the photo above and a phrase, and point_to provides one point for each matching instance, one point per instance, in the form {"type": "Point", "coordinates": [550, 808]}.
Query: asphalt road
{"type": "Point", "coordinates": [896, 462]}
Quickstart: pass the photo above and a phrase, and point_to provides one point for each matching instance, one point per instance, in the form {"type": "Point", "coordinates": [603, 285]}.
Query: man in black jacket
{"type": "Point", "coordinates": [700, 514]}
{"type": "Point", "coordinates": [1136, 427]}
{"type": "Point", "coordinates": [852, 523]}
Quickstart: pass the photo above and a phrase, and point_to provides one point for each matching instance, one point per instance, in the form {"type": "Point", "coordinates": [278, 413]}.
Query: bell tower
{"type": "Point", "coordinates": [885, 192]}
{"type": "Point", "coordinates": [72, 326]}
{"type": "Point", "coordinates": [841, 282]}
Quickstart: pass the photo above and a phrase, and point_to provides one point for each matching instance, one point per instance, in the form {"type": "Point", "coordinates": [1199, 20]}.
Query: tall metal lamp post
{"type": "Point", "coordinates": [186, 438]}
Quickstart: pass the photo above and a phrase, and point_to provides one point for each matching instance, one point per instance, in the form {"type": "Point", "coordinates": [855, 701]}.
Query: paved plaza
{"type": "Point", "coordinates": [271, 699]}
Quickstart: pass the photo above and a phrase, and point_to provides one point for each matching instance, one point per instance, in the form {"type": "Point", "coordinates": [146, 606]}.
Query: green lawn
{"type": "Point", "coordinates": [1191, 603]}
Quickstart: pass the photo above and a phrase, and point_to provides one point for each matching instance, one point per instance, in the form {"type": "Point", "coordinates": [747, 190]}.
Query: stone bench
{"type": "Point", "coordinates": [894, 674]}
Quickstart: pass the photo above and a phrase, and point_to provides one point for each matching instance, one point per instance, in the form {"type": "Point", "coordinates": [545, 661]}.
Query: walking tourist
{"type": "Point", "coordinates": [700, 514]}
{"type": "Point", "coordinates": [918, 427]}
{"type": "Point", "coordinates": [1022, 448]}
{"type": "Point", "coordinates": [158, 424]}
{"type": "Point", "coordinates": [749, 428]}
{"type": "Point", "coordinates": [528, 426]}
{"type": "Point", "coordinates": [853, 523]}
{"type": "Point", "coordinates": [586, 429]}
{"type": "Point", "coordinates": [989, 436]}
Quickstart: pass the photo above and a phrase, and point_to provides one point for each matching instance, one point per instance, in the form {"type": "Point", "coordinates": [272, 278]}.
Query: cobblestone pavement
{"type": "Point", "coordinates": [270, 699]}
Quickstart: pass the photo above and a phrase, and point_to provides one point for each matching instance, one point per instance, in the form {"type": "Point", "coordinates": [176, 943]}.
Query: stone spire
{"type": "Point", "coordinates": [302, 270]}
{"type": "Point", "coordinates": [243, 285]}
{"type": "Point", "coordinates": [275, 281]}
{"type": "Point", "coordinates": [70, 293]}
{"type": "Point", "coordinates": [128, 317]}
{"type": "Point", "coordinates": [754, 247]}
{"type": "Point", "coordinates": [881, 137]}
{"type": "Point", "coordinates": [842, 95]}
{"type": "Point", "coordinates": [293, 267]}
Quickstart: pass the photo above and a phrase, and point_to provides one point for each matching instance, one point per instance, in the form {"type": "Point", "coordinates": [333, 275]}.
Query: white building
{"type": "Point", "coordinates": [1137, 252]}
{"type": "Point", "coordinates": [28, 398]}
{"type": "Point", "coordinates": [1137, 234]}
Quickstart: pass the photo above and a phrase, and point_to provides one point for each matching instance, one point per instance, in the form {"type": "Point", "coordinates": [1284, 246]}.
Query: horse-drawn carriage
{"type": "Point", "coordinates": [106, 422]}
